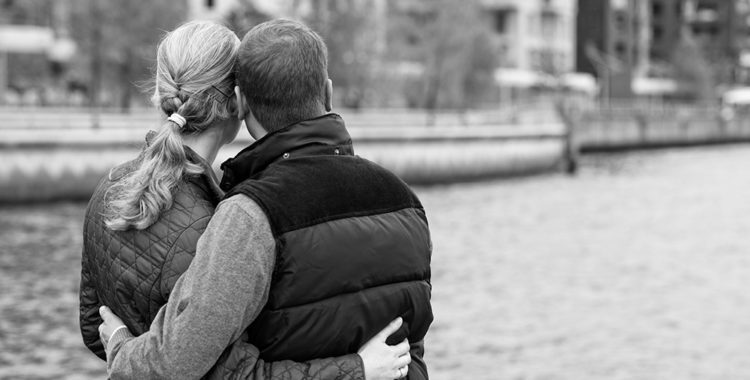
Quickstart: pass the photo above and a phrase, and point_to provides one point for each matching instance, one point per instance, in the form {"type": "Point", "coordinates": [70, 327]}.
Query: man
{"type": "Point", "coordinates": [312, 250]}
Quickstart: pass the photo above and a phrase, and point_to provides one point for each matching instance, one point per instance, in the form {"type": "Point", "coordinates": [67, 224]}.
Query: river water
{"type": "Point", "coordinates": [636, 268]}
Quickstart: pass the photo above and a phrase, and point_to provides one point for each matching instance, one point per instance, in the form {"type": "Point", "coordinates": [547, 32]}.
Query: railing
{"type": "Point", "coordinates": [627, 125]}
{"type": "Point", "coordinates": [145, 118]}
{"type": "Point", "coordinates": [54, 154]}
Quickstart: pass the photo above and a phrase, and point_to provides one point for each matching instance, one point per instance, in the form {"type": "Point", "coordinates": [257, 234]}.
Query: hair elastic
{"type": "Point", "coordinates": [177, 119]}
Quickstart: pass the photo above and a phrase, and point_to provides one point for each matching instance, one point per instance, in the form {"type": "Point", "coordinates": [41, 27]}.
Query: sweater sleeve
{"type": "Point", "coordinates": [211, 305]}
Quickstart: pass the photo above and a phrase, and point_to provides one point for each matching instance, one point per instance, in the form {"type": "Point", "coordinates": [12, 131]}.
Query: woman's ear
{"type": "Point", "coordinates": [242, 107]}
{"type": "Point", "coordinates": [329, 95]}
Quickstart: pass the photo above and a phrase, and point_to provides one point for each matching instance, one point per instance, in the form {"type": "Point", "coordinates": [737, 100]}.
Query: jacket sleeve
{"type": "Point", "coordinates": [89, 319]}
{"type": "Point", "coordinates": [180, 256]}
{"type": "Point", "coordinates": [242, 361]}
{"type": "Point", "coordinates": [417, 367]}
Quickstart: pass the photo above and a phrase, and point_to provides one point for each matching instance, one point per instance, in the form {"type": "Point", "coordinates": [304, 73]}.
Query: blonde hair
{"type": "Point", "coordinates": [195, 79]}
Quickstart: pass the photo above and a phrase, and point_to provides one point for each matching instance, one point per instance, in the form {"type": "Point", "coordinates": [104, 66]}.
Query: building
{"type": "Point", "coordinates": [720, 28]}
{"type": "Point", "coordinates": [666, 24]}
{"type": "Point", "coordinates": [627, 41]}
{"type": "Point", "coordinates": [612, 43]}
{"type": "Point", "coordinates": [219, 9]}
{"type": "Point", "coordinates": [533, 35]}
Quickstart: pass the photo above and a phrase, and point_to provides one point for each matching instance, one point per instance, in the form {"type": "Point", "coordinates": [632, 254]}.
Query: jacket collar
{"type": "Point", "coordinates": [323, 135]}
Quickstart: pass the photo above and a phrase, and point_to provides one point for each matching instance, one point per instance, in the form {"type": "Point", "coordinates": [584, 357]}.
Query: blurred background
{"type": "Point", "coordinates": [582, 164]}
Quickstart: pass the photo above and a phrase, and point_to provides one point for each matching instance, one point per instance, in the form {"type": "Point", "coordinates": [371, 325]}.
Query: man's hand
{"type": "Point", "coordinates": [109, 327]}
{"type": "Point", "coordinates": [384, 362]}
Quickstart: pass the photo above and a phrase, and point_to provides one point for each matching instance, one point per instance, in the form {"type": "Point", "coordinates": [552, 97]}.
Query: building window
{"type": "Point", "coordinates": [707, 5]}
{"type": "Point", "coordinates": [657, 32]}
{"type": "Point", "coordinates": [657, 9]}
{"type": "Point", "coordinates": [621, 21]}
{"type": "Point", "coordinates": [549, 22]}
{"type": "Point", "coordinates": [501, 19]}
{"type": "Point", "coordinates": [411, 39]}
{"type": "Point", "coordinates": [535, 59]}
{"type": "Point", "coordinates": [713, 30]}
{"type": "Point", "coordinates": [620, 49]}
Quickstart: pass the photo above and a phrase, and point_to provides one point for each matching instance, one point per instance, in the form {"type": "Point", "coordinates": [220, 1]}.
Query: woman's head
{"type": "Point", "coordinates": [195, 80]}
{"type": "Point", "coordinates": [195, 74]}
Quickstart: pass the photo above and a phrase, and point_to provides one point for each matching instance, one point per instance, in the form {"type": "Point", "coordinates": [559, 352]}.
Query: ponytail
{"type": "Point", "coordinates": [138, 199]}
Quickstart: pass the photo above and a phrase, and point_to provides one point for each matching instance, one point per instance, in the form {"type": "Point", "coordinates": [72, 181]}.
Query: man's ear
{"type": "Point", "coordinates": [329, 95]}
{"type": "Point", "coordinates": [242, 107]}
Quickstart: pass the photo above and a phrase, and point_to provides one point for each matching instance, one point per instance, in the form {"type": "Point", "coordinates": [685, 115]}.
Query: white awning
{"type": "Point", "coordinates": [582, 82]}
{"type": "Point", "coordinates": [740, 95]}
{"type": "Point", "coordinates": [25, 39]}
{"type": "Point", "coordinates": [517, 78]}
{"type": "Point", "coordinates": [654, 86]}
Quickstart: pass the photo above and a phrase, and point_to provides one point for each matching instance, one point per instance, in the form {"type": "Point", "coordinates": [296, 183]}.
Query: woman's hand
{"type": "Point", "coordinates": [110, 325]}
{"type": "Point", "coordinates": [384, 362]}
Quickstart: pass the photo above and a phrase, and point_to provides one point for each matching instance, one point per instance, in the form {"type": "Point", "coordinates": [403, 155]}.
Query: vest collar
{"type": "Point", "coordinates": [323, 135]}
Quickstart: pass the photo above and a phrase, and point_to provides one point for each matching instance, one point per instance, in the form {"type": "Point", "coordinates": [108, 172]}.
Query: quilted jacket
{"type": "Point", "coordinates": [134, 271]}
{"type": "Point", "coordinates": [352, 240]}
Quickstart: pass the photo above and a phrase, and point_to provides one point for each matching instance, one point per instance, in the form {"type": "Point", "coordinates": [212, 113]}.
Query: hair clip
{"type": "Point", "coordinates": [220, 92]}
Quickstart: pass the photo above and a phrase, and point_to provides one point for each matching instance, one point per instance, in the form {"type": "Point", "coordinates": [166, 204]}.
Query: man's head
{"type": "Point", "coordinates": [282, 72]}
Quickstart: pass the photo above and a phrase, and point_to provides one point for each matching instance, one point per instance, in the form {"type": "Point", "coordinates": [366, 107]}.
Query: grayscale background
{"type": "Point", "coordinates": [583, 164]}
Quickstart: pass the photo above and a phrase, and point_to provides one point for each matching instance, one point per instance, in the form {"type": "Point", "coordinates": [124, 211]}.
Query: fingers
{"type": "Point", "coordinates": [401, 372]}
{"type": "Point", "coordinates": [105, 313]}
{"type": "Point", "coordinates": [402, 348]}
{"type": "Point", "coordinates": [102, 336]}
{"type": "Point", "coordinates": [390, 329]}
{"type": "Point", "coordinates": [403, 361]}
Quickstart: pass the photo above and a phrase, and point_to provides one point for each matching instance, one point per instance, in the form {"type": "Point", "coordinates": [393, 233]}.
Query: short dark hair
{"type": "Point", "coordinates": [282, 71]}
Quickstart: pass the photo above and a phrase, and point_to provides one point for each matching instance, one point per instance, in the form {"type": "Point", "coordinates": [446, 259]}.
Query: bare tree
{"type": "Point", "coordinates": [451, 41]}
{"type": "Point", "coordinates": [692, 68]}
{"type": "Point", "coordinates": [244, 16]}
{"type": "Point", "coordinates": [118, 40]}
{"type": "Point", "coordinates": [350, 29]}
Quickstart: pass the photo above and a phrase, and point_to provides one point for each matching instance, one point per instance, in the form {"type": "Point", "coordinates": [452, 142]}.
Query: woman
{"type": "Point", "coordinates": [144, 219]}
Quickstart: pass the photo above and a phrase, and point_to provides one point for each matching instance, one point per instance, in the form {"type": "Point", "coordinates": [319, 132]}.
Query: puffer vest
{"type": "Point", "coordinates": [133, 271]}
{"type": "Point", "coordinates": [352, 241]}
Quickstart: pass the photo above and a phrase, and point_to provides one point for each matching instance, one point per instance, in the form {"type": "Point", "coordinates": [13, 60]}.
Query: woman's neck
{"type": "Point", "coordinates": [206, 144]}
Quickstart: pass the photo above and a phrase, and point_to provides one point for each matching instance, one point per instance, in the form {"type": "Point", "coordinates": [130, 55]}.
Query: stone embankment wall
{"type": "Point", "coordinates": [51, 156]}
{"type": "Point", "coordinates": [657, 126]}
